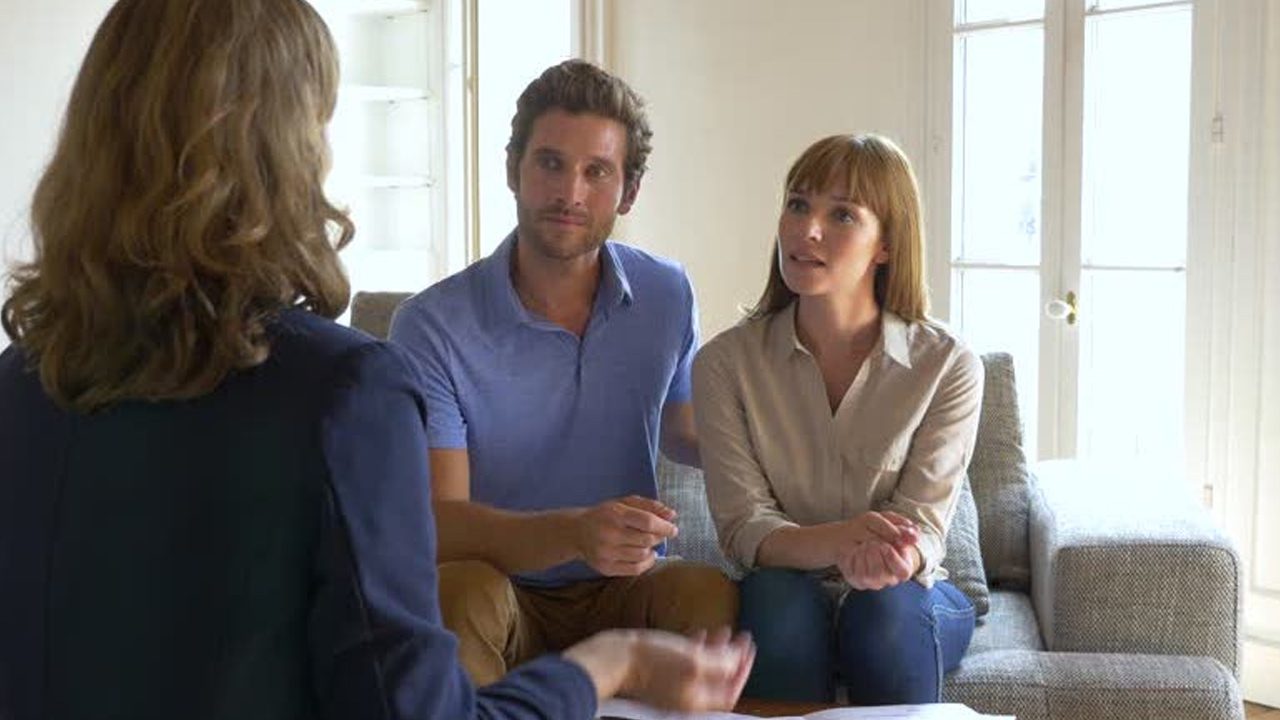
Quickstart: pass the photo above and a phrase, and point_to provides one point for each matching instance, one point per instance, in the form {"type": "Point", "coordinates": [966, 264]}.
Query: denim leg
{"type": "Point", "coordinates": [789, 615]}
{"type": "Point", "coordinates": [895, 645]}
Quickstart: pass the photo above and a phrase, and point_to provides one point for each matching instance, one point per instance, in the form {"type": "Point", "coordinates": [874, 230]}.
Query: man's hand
{"type": "Point", "coordinates": [618, 537]}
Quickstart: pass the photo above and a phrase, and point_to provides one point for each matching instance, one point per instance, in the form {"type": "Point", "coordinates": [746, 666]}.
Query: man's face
{"type": "Point", "coordinates": [570, 184]}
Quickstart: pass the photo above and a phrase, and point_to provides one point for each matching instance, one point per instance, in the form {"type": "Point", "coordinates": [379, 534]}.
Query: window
{"type": "Point", "coordinates": [517, 40]}
{"type": "Point", "coordinates": [1069, 148]}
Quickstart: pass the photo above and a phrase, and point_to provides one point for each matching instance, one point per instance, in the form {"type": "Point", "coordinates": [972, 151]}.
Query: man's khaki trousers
{"type": "Point", "coordinates": [500, 624]}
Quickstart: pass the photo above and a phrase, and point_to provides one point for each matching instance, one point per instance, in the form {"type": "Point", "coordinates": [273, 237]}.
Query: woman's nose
{"type": "Point", "coordinates": [813, 229]}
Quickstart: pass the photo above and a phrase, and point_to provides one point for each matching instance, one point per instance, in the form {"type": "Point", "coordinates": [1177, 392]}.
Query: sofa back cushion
{"type": "Point", "coordinates": [372, 311]}
{"type": "Point", "coordinates": [963, 562]}
{"type": "Point", "coordinates": [681, 488]}
{"type": "Point", "coordinates": [1001, 482]}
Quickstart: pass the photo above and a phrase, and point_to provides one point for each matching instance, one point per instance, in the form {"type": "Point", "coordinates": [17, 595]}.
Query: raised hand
{"type": "Point", "coordinates": [618, 537]}
{"type": "Point", "coordinates": [666, 670]}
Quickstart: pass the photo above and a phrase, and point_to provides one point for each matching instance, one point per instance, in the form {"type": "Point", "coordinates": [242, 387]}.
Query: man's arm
{"type": "Point", "coordinates": [679, 436]}
{"type": "Point", "coordinates": [616, 537]}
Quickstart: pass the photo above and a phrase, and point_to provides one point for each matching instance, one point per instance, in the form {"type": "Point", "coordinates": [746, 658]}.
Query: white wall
{"type": "Point", "coordinates": [736, 89]}
{"type": "Point", "coordinates": [1233, 332]}
{"type": "Point", "coordinates": [42, 43]}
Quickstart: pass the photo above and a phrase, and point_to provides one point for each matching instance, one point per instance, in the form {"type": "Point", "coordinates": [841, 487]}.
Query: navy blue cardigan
{"type": "Point", "coordinates": [265, 551]}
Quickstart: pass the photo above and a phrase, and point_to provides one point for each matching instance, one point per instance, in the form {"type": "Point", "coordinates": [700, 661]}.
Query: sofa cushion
{"type": "Point", "coordinates": [1010, 625]}
{"type": "Point", "coordinates": [963, 562]}
{"type": "Point", "coordinates": [1000, 479]}
{"type": "Point", "coordinates": [1086, 686]}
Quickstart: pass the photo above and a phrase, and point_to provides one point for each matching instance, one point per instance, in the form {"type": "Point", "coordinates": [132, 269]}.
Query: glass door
{"type": "Point", "coordinates": [1069, 186]}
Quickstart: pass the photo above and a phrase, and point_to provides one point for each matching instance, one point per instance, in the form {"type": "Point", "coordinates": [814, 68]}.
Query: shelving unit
{"type": "Point", "coordinates": [384, 93]}
{"type": "Point", "coordinates": [377, 7]}
{"type": "Point", "coordinates": [387, 139]}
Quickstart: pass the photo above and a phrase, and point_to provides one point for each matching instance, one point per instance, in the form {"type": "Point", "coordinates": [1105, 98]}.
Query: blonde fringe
{"type": "Point", "coordinates": [878, 175]}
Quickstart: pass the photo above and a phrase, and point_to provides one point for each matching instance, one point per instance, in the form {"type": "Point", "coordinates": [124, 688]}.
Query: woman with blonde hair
{"type": "Point", "coordinates": [215, 502]}
{"type": "Point", "coordinates": [836, 424]}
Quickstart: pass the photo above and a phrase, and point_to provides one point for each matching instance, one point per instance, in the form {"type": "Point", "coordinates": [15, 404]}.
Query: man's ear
{"type": "Point", "coordinates": [513, 173]}
{"type": "Point", "coordinates": [629, 193]}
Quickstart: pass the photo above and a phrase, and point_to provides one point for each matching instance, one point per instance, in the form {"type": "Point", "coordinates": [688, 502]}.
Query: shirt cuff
{"type": "Point", "coordinates": [932, 550]}
{"type": "Point", "coordinates": [549, 687]}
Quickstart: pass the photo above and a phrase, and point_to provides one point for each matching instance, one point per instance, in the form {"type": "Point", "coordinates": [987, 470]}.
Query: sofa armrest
{"type": "Point", "coordinates": [1121, 563]}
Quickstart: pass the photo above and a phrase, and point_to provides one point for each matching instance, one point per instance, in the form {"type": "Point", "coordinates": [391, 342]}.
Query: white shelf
{"type": "Point", "coordinates": [395, 181]}
{"type": "Point", "coordinates": [374, 7]}
{"type": "Point", "coordinates": [383, 93]}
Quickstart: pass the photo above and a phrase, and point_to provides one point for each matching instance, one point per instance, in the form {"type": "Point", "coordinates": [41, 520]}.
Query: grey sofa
{"type": "Point", "coordinates": [1110, 596]}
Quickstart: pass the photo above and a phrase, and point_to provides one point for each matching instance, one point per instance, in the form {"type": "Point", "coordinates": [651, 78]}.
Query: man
{"type": "Point", "coordinates": [555, 368]}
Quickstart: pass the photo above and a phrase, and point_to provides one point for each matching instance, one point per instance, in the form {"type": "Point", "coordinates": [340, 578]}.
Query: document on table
{"type": "Point", "coordinates": [629, 710]}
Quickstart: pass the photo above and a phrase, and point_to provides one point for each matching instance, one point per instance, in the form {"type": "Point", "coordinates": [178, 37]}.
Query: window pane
{"type": "Point", "coordinates": [1118, 4]}
{"type": "Point", "coordinates": [978, 11]}
{"type": "Point", "coordinates": [999, 312]}
{"type": "Point", "coordinates": [1137, 138]}
{"type": "Point", "coordinates": [1132, 350]}
{"type": "Point", "coordinates": [996, 168]}
{"type": "Point", "coordinates": [518, 40]}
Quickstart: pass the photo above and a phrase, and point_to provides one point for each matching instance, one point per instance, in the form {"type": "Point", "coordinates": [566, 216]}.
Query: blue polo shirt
{"type": "Point", "coordinates": [550, 420]}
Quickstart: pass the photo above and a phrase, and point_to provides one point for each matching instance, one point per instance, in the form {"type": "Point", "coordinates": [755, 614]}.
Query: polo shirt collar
{"type": "Point", "coordinates": [503, 303]}
{"type": "Point", "coordinates": [895, 340]}
{"type": "Point", "coordinates": [615, 287]}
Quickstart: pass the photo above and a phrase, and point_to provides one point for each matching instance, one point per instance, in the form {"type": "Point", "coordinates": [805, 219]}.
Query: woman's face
{"type": "Point", "coordinates": [829, 245]}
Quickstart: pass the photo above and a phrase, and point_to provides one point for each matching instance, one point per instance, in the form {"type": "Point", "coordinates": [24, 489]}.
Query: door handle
{"type": "Point", "coordinates": [1063, 308]}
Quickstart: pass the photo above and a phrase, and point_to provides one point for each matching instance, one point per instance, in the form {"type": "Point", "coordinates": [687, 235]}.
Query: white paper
{"type": "Point", "coordinates": [630, 710]}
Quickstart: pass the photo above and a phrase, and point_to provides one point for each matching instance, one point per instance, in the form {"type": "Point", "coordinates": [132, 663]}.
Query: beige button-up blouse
{"type": "Point", "coordinates": [775, 455]}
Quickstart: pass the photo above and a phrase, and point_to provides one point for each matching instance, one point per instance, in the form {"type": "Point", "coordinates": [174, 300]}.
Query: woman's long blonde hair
{"type": "Point", "coordinates": [183, 207]}
{"type": "Point", "coordinates": [879, 177]}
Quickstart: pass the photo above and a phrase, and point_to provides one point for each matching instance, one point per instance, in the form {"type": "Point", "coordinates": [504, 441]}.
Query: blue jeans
{"type": "Point", "coordinates": [888, 646]}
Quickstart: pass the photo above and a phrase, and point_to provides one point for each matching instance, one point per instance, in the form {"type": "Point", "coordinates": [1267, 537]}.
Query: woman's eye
{"type": "Point", "coordinates": [846, 217]}
{"type": "Point", "coordinates": [797, 205]}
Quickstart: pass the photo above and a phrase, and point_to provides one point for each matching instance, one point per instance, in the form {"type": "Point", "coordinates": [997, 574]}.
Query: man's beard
{"type": "Point", "coordinates": [586, 239]}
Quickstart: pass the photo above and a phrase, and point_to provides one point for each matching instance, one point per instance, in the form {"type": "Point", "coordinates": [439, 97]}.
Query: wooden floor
{"type": "Point", "coordinates": [1260, 712]}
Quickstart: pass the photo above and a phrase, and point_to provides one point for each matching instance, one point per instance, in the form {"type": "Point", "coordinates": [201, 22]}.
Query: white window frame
{"type": "Point", "coordinates": [1061, 193]}
{"type": "Point", "coordinates": [591, 36]}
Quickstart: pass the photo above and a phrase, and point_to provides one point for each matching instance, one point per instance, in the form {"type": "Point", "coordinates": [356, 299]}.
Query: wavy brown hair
{"type": "Point", "coordinates": [879, 177]}
{"type": "Point", "coordinates": [578, 87]}
{"type": "Point", "coordinates": [183, 207]}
